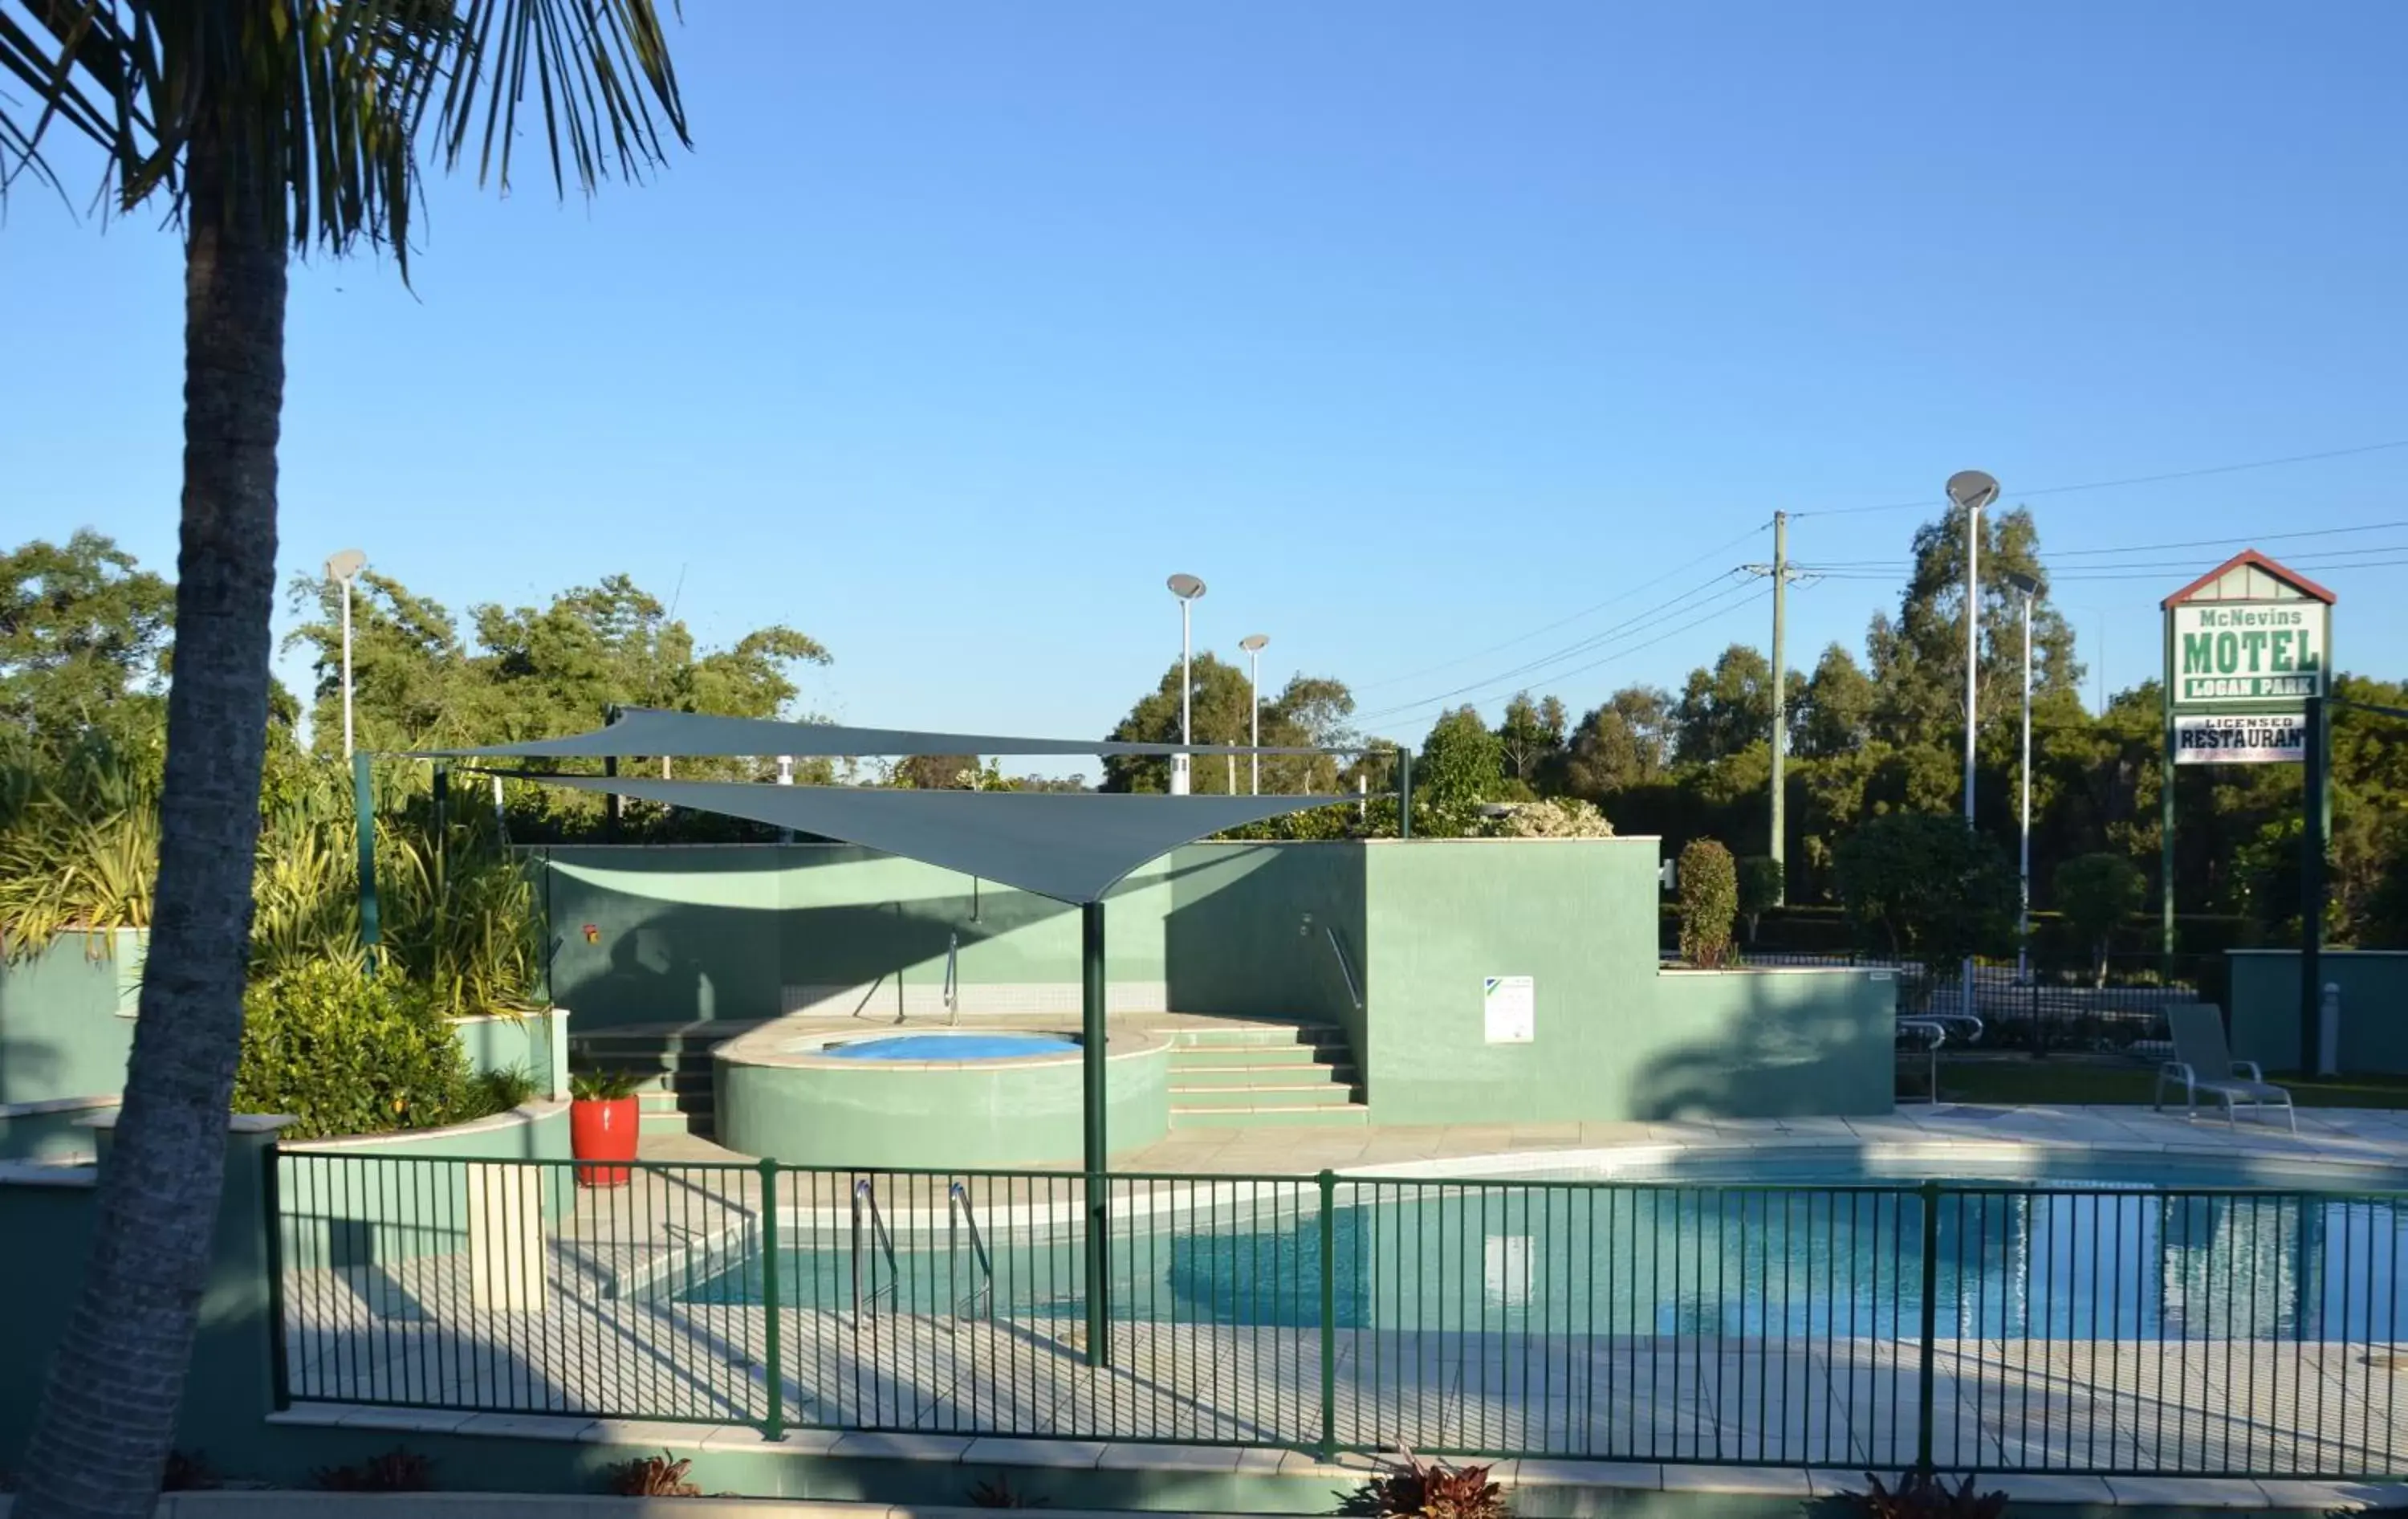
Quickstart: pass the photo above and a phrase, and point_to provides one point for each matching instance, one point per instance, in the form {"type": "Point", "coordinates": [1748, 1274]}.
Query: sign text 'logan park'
{"type": "Point", "coordinates": [2251, 652]}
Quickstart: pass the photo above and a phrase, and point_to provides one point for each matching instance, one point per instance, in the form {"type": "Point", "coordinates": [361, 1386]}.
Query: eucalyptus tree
{"type": "Point", "coordinates": [262, 130]}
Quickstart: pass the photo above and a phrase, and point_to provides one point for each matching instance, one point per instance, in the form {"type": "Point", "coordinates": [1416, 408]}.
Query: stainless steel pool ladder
{"type": "Point", "coordinates": [953, 979]}
{"type": "Point", "coordinates": [865, 1202]}
{"type": "Point", "coordinates": [959, 1214]}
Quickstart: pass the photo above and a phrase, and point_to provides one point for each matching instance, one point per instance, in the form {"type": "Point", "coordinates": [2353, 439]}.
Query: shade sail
{"type": "Point", "coordinates": [650, 731]}
{"type": "Point", "coordinates": [1071, 846]}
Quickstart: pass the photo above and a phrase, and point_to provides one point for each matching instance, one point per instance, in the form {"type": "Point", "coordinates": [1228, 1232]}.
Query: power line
{"type": "Point", "coordinates": [1693, 600]}
{"type": "Point", "coordinates": [2151, 548]}
{"type": "Point", "coordinates": [1927, 503]}
{"type": "Point", "coordinates": [2313, 559]}
{"type": "Point", "coordinates": [1560, 621]}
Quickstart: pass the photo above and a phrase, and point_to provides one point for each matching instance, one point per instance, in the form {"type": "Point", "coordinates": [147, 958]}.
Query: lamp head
{"type": "Point", "coordinates": [1185, 587]}
{"type": "Point", "coordinates": [345, 565]}
{"type": "Point", "coordinates": [1971, 490]}
{"type": "Point", "coordinates": [1253, 642]}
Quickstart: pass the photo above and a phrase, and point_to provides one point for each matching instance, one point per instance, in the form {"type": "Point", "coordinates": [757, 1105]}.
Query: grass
{"type": "Point", "coordinates": [2062, 1081]}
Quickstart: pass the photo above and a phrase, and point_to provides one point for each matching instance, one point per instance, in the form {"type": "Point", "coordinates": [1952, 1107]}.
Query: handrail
{"type": "Point", "coordinates": [953, 979]}
{"type": "Point", "coordinates": [958, 1213]}
{"type": "Point", "coordinates": [865, 1194]}
{"type": "Point", "coordinates": [1353, 993]}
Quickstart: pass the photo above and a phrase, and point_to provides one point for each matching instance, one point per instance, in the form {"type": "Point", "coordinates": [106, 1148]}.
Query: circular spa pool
{"type": "Point", "coordinates": [951, 1046]}
{"type": "Point", "coordinates": [804, 1094]}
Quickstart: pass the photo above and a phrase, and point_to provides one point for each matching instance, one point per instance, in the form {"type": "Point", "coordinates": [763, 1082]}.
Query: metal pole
{"type": "Point", "coordinates": [1187, 690]}
{"type": "Point", "coordinates": [1780, 703]}
{"type": "Point", "coordinates": [2023, 908]}
{"type": "Point", "coordinates": [2312, 884]}
{"type": "Point", "coordinates": [1099, 1163]}
{"type": "Point", "coordinates": [363, 821]}
{"type": "Point", "coordinates": [1254, 723]}
{"type": "Point", "coordinates": [1404, 793]}
{"type": "Point", "coordinates": [1972, 682]}
{"type": "Point", "coordinates": [2166, 774]}
{"type": "Point", "coordinates": [346, 669]}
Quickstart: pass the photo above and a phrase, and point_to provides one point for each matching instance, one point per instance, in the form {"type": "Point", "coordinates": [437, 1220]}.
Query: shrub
{"type": "Point", "coordinates": [2095, 892]}
{"type": "Point", "coordinates": [495, 1091]}
{"type": "Point", "coordinates": [1925, 886]}
{"type": "Point", "coordinates": [1708, 885]}
{"type": "Point", "coordinates": [344, 1052]}
{"type": "Point", "coordinates": [653, 1476]}
{"type": "Point", "coordinates": [1431, 1488]}
{"type": "Point", "coordinates": [1761, 887]}
{"type": "Point", "coordinates": [1555, 817]}
{"type": "Point", "coordinates": [1000, 1494]}
{"type": "Point", "coordinates": [188, 1471]}
{"type": "Point", "coordinates": [398, 1470]}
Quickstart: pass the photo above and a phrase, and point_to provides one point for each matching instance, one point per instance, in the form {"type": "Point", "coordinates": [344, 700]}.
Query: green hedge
{"type": "Point", "coordinates": [343, 1052]}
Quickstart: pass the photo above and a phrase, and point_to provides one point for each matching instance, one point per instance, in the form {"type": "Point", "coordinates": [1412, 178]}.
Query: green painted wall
{"type": "Point", "coordinates": [531, 1044]}
{"type": "Point", "coordinates": [1614, 1036]}
{"type": "Point", "coordinates": [230, 1389]}
{"type": "Point", "coordinates": [872, 1113]}
{"type": "Point", "coordinates": [61, 1133]}
{"type": "Point", "coordinates": [2265, 1025]}
{"type": "Point", "coordinates": [65, 1023]}
{"type": "Point", "coordinates": [1248, 931]}
{"type": "Point", "coordinates": [358, 1202]}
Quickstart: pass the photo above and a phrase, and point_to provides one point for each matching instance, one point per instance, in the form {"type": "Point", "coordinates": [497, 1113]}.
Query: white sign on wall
{"type": "Point", "coordinates": [2226, 653]}
{"type": "Point", "coordinates": [1510, 1005]}
{"type": "Point", "coordinates": [2224, 738]}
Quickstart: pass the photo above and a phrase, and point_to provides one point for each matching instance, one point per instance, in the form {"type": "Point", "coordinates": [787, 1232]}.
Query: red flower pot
{"type": "Point", "coordinates": [604, 1130]}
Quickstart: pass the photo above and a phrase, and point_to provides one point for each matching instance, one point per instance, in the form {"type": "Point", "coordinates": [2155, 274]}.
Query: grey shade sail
{"type": "Point", "coordinates": [652, 732]}
{"type": "Point", "coordinates": [1070, 846]}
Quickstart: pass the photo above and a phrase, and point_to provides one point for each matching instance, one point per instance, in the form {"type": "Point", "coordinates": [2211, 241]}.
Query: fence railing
{"type": "Point", "coordinates": [2082, 1329]}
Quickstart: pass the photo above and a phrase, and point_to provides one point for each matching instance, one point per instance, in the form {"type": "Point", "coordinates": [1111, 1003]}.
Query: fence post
{"type": "Point", "coordinates": [1328, 1316]}
{"type": "Point", "coordinates": [1924, 1389]}
{"type": "Point", "coordinates": [272, 1205]}
{"type": "Point", "coordinates": [773, 1420]}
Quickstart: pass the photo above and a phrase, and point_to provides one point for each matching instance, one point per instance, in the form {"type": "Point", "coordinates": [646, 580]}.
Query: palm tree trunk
{"type": "Point", "coordinates": [108, 1410]}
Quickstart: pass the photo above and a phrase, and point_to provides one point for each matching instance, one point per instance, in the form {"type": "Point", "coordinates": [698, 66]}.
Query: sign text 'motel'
{"type": "Point", "coordinates": [2247, 653]}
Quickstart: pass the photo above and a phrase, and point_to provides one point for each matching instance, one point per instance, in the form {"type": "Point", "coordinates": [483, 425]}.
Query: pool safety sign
{"type": "Point", "coordinates": [2281, 739]}
{"type": "Point", "coordinates": [1510, 1006]}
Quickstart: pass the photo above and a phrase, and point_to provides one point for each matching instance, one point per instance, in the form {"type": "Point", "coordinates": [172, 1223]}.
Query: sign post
{"type": "Point", "coordinates": [2249, 655]}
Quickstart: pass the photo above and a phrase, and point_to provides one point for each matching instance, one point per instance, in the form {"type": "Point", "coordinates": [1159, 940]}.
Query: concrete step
{"type": "Point", "coordinates": [1325, 1095]}
{"type": "Point", "coordinates": [1302, 1074]}
{"type": "Point", "coordinates": [1245, 1056]}
{"type": "Point", "coordinates": [1351, 1116]}
{"type": "Point", "coordinates": [1239, 1035]}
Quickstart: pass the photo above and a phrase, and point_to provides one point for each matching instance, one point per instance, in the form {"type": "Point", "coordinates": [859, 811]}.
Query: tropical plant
{"type": "Point", "coordinates": [262, 128]}
{"type": "Point", "coordinates": [1924, 1495]}
{"type": "Point", "coordinates": [2095, 892]}
{"type": "Point", "coordinates": [1708, 887]}
{"type": "Point", "coordinates": [604, 1085]}
{"type": "Point", "coordinates": [1000, 1494]}
{"type": "Point", "coordinates": [653, 1476]}
{"type": "Point", "coordinates": [1411, 1485]}
{"type": "Point", "coordinates": [398, 1470]}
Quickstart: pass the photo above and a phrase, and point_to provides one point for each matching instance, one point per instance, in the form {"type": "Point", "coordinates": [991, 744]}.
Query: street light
{"type": "Point", "coordinates": [1186, 588]}
{"type": "Point", "coordinates": [343, 567]}
{"type": "Point", "coordinates": [1971, 490]}
{"type": "Point", "coordinates": [1252, 644]}
{"type": "Point", "coordinates": [2027, 586]}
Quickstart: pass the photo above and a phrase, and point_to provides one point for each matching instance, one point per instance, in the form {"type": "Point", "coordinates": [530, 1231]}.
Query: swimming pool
{"type": "Point", "coordinates": [950, 1046]}
{"type": "Point", "coordinates": [2102, 1257]}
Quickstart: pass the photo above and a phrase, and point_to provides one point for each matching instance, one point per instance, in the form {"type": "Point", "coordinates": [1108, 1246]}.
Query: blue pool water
{"type": "Point", "coordinates": [954, 1047]}
{"type": "Point", "coordinates": [2067, 1262]}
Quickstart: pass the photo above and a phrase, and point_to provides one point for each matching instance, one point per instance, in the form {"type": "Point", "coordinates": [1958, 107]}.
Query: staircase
{"type": "Point", "coordinates": [1252, 1075]}
{"type": "Point", "coordinates": [674, 1059]}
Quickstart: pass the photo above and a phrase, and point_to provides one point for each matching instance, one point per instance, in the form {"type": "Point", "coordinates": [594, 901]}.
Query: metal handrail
{"type": "Point", "coordinates": [958, 1213]}
{"type": "Point", "coordinates": [953, 979]}
{"type": "Point", "coordinates": [1345, 968]}
{"type": "Point", "coordinates": [865, 1196]}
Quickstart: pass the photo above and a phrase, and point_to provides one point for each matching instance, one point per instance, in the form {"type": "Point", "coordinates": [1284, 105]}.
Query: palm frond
{"type": "Point", "coordinates": [330, 101]}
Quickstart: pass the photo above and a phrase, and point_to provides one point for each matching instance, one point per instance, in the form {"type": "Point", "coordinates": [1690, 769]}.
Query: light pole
{"type": "Point", "coordinates": [343, 568]}
{"type": "Point", "coordinates": [1971, 490]}
{"type": "Point", "coordinates": [1186, 588]}
{"type": "Point", "coordinates": [1252, 644]}
{"type": "Point", "coordinates": [2028, 587]}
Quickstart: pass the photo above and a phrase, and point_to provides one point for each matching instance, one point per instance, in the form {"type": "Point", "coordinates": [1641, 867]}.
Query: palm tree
{"type": "Point", "coordinates": [265, 128]}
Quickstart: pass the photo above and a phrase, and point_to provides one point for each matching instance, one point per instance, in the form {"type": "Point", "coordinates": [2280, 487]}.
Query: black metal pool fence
{"type": "Point", "coordinates": [2003, 1329]}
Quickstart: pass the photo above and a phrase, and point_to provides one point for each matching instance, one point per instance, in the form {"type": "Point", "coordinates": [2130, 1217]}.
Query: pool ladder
{"type": "Point", "coordinates": [870, 1233]}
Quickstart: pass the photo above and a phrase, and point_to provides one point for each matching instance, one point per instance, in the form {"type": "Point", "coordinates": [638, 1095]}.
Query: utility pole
{"type": "Point", "coordinates": [1780, 574]}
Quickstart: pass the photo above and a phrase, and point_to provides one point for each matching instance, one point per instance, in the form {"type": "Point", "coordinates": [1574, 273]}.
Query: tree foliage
{"type": "Point", "coordinates": [2095, 893]}
{"type": "Point", "coordinates": [1926, 887]}
{"type": "Point", "coordinates": [1461, 765]}
{"type": "Point", "coordinates": [1309, 712]}
{"type": "Point", "coordinates": [83, 637]}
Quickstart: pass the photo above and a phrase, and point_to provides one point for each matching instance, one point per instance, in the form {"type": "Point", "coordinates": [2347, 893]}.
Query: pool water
{"type": "Point", "coordinates": [954, 1047]}
{"type": "Point", "coordinates": [1563, 1260]}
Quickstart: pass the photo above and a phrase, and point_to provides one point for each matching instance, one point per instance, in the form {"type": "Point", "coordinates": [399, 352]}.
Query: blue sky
{"type": "Point", "coordinates": [1411, 328]}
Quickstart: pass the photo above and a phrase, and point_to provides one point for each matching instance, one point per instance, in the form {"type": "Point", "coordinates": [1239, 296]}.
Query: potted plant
{"type": "Point", "coordinates": [604, 1121]}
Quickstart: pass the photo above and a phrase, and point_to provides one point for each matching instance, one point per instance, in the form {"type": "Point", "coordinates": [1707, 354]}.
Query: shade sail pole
{"type": "Point", "coordinates": [1099, 1220]}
